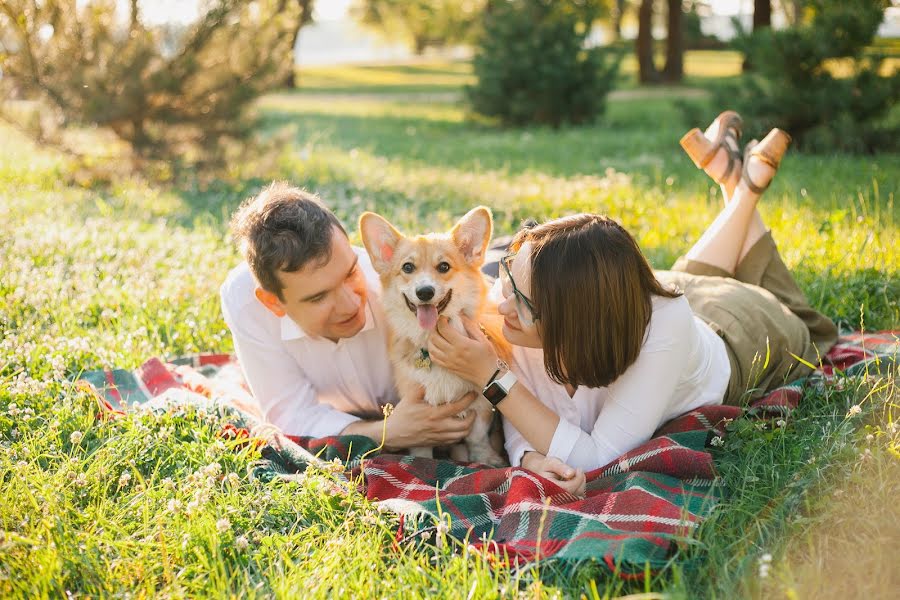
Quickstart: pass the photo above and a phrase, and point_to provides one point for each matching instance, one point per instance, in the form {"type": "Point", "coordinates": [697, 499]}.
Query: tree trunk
{"type": "Point", "coordinates": [644, 45]}
{"type": "Point", "coordinates": [674, 69]}
{"type": "Point", "coordinates": [762, 17]}
{"type": "Point", "coordinates": [617, 16]}
{"type": "Point", "coordinates": [797, 15]}
{"type": "Point", "coordinates": [306, 9]}
{"type": "Point", "coordinates": [762, 14]}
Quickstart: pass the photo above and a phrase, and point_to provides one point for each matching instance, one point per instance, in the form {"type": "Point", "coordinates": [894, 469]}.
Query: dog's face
{"type": "Point", "coordinates": [429, 275]}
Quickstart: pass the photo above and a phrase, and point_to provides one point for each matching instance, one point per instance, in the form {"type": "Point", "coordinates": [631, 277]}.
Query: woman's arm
{"type": "Point", "coordinates": [473, 358]}
{"type": "Point", "coordinates": [637, 401]}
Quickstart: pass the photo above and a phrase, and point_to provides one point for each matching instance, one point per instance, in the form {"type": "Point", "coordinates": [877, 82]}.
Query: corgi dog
{"type": "Point", "coordinates": [424, 277]}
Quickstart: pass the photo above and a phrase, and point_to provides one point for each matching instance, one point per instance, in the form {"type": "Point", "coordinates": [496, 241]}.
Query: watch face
{"type": "Point", "coordinates": [494, 392]}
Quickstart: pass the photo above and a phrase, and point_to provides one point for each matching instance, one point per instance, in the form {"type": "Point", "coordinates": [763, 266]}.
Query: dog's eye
{"type": "Point", "coordinates": [408, 267]}
{"type": "Point", "coordinates": [443, 267]}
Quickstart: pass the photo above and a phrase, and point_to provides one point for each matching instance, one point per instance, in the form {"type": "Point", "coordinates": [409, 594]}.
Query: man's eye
{"type": "Point", "coordinates": [443, 267]}
{"type": "Point", "coordinates": [408, 267]}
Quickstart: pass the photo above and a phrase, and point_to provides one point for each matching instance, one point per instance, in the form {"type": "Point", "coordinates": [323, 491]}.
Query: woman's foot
{"type": "Point", "coordinates": [717, 150]}
{"type": "Point", "coordinates": [762, 160]}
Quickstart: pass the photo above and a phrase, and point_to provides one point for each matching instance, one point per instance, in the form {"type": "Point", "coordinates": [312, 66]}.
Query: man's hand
{"type": "Point", "coordinates": [415, 423]}
{"type": "Point", "coordinates": [550, 467]}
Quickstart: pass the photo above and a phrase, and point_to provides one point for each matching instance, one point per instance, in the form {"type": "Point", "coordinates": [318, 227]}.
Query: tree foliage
{"type": "Point", "coordinates": [167, 90]}
{"type": "Point", "coordinates": [532, 65]}
{"type": "Point", "coordinates": [821, 80]}
{"type": "Point", "coordinates": [421, 23]}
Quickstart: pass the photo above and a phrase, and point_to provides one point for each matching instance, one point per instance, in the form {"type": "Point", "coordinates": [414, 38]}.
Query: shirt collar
{"type": "Point", "coordinates": [291, 331]}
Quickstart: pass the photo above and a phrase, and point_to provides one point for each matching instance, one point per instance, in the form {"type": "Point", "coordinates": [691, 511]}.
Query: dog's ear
{"type": "Point", "coordinates": [380, 239]}
{"type": "Point", "coordinates": [472, 234]}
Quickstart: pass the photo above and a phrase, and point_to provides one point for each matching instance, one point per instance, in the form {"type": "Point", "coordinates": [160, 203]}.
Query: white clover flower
{"type": "Point", "coordinates": [855, 410]}
{"type": "Point", "coordinates": [781, 423]}
{"type": "Point", "coordinates": [76, 437]}
{"type": "Point", "coordinates": [81, 480]}
{"type": "Point", "coordinates": [242, 542]}
{"type": "Point", "coordinates": [765, 563]}
{"type": "Point", "coordinates": [717, 441]}
{"type": "Point", "coordinates": [223, 525]}
{"type": "Point", "coordinates": [124, 478]}
{"type": "Point", "coordinates": [870, 438]}
{"type": "Point", "coordinates": [173, 505]}
{"type": "Point", "coordinates": [168, 483]}
{"type": "Point", "coordinates": [192, 507]}
{"type": "Point", "coordinates": [233, 479]}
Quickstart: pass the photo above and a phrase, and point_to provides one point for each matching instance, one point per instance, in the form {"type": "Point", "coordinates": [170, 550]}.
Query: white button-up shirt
{"type": "Point", "coordinates": [304, 385]}
{"type": "Point", "coordinates": [682, 365]}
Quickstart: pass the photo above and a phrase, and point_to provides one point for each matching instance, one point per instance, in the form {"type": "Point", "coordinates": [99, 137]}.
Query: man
{"type": "Point", "coordinates": [309, 332]}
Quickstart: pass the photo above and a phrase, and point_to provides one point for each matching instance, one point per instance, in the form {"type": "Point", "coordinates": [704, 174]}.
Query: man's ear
{"type": "Point", "coordinates": [472, 234]}
{"type": "Point", "coordinates": [380, 239]}
{"type": "Point", "coordinates": [270, 301]}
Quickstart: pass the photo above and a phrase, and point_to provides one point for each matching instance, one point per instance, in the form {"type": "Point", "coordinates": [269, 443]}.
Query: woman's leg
{"type": "Point", "coordinates": [738, 226]}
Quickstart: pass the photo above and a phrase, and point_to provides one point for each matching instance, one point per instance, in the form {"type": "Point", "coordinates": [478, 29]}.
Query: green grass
{"type": "Point", "coordinates": [100, 273]}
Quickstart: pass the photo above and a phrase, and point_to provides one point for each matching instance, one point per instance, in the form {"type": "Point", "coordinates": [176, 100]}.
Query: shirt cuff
{"type": "Point", "coordinates": [564, 439]}
{"type": "Point", "coordinates": [515, 459]}
{"type": "Point", "coordinates": [332, 423]}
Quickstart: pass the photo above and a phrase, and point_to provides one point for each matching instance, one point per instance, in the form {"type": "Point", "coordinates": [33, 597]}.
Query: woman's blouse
{"type": "Point", "coordinates": [682, 365]}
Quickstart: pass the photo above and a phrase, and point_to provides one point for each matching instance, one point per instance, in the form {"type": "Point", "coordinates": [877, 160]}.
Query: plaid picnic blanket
{"type": "Point", "coordinates": [636, 509]}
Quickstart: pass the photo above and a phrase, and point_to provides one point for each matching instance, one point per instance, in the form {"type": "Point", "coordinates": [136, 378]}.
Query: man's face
{"type": "Point", "coordinates": [325, 300]}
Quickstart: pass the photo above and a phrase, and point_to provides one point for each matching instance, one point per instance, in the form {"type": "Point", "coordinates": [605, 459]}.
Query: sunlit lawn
{"type": "Point", "coordinates": [110, 273]}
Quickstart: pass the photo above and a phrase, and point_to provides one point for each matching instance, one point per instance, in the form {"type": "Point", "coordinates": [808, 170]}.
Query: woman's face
{"type": "Point", "coordinates": [514, 308]}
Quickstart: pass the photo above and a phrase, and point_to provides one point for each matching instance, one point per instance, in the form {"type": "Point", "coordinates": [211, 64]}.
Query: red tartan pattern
{"type": "Point", "coordinates": [635, 508]}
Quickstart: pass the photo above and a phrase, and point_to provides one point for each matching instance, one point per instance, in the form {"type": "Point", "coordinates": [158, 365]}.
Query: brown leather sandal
{"type": "Point", "coordinates": [770, 151]}
{"type": "Point", "coordinates": [701, 149]}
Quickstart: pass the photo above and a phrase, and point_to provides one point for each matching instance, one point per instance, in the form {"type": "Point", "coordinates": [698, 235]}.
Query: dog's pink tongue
{"type": "Point", "coordinates": [427, 315]}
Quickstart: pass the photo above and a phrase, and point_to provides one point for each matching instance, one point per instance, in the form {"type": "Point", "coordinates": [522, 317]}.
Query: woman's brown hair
{"type": "Point", "coordinates": [592, 289]}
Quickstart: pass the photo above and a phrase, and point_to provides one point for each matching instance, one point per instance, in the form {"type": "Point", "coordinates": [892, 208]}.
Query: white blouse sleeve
{"type": "Point", "coordinates": [637, 401]}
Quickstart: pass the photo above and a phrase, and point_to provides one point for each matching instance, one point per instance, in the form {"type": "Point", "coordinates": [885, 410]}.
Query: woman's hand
{"type": "Point", "coordinates": [469, 355]}
{"type": "Point", "coordinates": [550, 467]}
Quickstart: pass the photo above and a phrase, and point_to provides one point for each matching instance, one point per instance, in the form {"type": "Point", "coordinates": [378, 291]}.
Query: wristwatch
{"type": "Point", "coordinates": [497, 389]}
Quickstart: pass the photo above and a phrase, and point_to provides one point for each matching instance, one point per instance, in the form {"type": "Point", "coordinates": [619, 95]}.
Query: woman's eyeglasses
{"type": "Point", "coordinates": [524, 308]}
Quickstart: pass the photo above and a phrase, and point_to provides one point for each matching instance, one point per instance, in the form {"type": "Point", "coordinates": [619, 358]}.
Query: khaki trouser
{"type": "Point", "coordinates": [760, 313]}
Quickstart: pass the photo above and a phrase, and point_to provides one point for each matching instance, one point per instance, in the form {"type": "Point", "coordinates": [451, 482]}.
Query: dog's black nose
{"type": "Point", "coordinates": [425, 293]}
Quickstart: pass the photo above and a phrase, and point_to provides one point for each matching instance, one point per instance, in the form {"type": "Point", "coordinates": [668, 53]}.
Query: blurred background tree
{"type": "Point", "coordinates": [673, 69]}
{"type": "Point", "coordinates": [533, 67]}
{"type": "Point", "coordinates": [421, 23]}
{"type": "Point", "coordinates": [169, 91]}
{"type": "Point", "coordinates": [822, 80]}
{"type": "Point", "coordinates": [304, 18]}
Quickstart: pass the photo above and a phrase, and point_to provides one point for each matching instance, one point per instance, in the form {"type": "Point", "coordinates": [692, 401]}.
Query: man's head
{"type": "Point", "coordinates": [302, 261]}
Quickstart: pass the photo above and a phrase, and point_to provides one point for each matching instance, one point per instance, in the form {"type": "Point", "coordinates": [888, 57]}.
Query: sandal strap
{"type": "Point", "coordinates": [733, 154]}
{"type": "Point", "coordinates": [745, 175]}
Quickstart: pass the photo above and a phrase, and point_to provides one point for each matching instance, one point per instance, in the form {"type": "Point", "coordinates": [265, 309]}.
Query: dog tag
{"type": "Point", "coordinates": [423, 361]}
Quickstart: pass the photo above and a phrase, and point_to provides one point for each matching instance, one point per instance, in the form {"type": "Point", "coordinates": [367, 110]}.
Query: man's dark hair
{"type": "Point", "coordinates": [283, 228]}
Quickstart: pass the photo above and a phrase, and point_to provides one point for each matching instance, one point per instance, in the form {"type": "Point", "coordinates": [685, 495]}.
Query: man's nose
{"type": "Point", "coordinates": [425, 293]}
{"type": "Point", "coordinates": [350, 297]}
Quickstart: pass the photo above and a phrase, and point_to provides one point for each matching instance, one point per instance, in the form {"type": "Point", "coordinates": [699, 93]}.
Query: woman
{"type": "Point", "coordinates": [606, 350]}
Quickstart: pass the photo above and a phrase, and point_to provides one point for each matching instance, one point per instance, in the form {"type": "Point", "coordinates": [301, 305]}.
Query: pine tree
{"type": "Point", "coordinates": [167, 90]}
{"type": "Point", "coordinates": [532, 65]}
{"type": "Point", "coordinates": [821, 81]}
